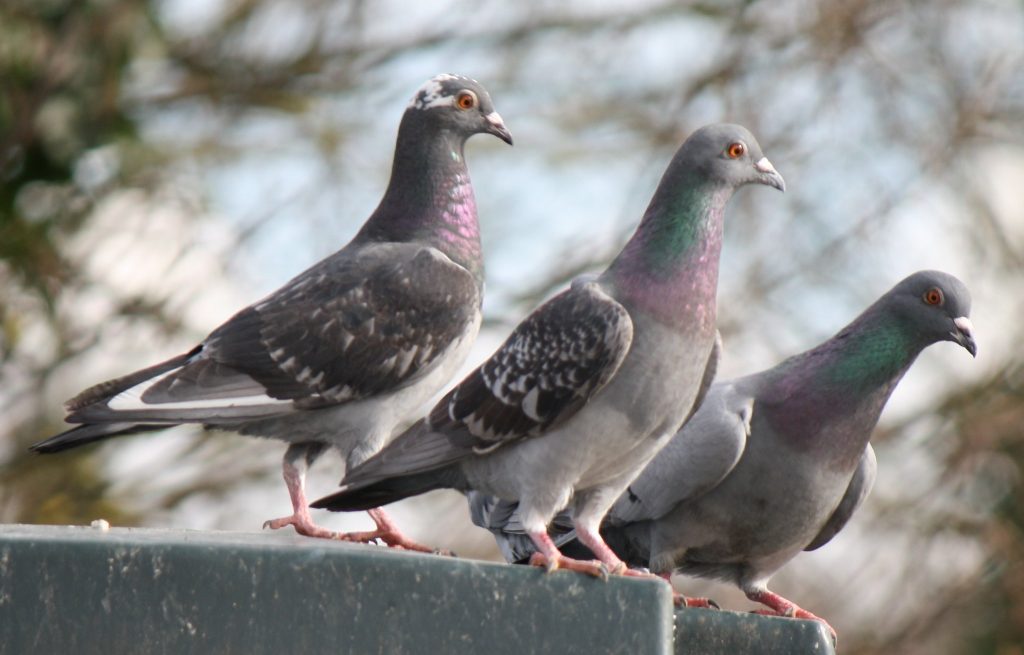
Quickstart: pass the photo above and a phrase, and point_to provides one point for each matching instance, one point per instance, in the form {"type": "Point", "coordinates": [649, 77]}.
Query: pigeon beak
{"type": "Point", "coordinates": [496, 126]}
{"type": "Point", "coordinates": [964, 335]}
{"type": "Point", "coordinates": [768, 175]}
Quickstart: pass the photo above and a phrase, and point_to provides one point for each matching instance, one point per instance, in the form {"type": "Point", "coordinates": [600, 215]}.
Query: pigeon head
{"type": "Point", "coordinates": [937, 306]}
{"type": "Point", "coordinates": [460, 105]}
{"type": "Point", "coordinates": [730, 155]}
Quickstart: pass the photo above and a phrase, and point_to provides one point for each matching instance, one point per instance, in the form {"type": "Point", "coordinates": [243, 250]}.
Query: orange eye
{"type": "Point", "coordinates": [736, 150]}
{"type": "Point", "coordinates": [465, 100]}
{"type": "Point", "coordinates": [933, 296]}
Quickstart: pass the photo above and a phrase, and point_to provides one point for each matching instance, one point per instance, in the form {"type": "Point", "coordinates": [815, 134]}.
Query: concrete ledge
{"type": "Point", "coordinates": [700, 632]}
{"type": "Point", "coordinates": [82, 591]}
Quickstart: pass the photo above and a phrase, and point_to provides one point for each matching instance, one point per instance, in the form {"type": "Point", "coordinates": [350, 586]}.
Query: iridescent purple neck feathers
{"type": "Point", "coordinates": [669, 268]}
{"type": "Point", "coordinates": [429, 197]}
{"type": "Point", "coordinates": [832, 396]}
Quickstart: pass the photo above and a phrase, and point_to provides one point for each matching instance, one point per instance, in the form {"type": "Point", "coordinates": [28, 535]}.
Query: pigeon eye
{"type": "Point", "coordinates": [736, 150]}
{"type": "Point", "coordinates": [465, 100]}
{"type": "Point", "coordinates": [933, 296]}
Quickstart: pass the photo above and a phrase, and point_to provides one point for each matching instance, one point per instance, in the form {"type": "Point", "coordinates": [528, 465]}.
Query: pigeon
{"type": "Point", "coordinates": [594, 382]}
{"type": "Point", "coordinates": [348, 349]}
{"type": "Point", "coordinates": [773, 463]}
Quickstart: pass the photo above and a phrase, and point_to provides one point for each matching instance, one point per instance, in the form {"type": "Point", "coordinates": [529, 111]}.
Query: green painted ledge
{"type": "Point", "coordinates": [84, 590]}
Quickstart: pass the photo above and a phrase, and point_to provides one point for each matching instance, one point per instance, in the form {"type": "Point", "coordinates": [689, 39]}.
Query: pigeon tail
{"type": "Point", "coordinates": [420, 449]}
{"type": "Point", "coordinates": [106, 390]}
{"type": "Point", "coordinates": [389, 490]}
{"type": "Point", "coordinates": [86, 434]}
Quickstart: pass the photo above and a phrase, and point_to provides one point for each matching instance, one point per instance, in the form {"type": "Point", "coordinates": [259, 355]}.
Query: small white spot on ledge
{"type": "Point", "coordinates": [100, 524]}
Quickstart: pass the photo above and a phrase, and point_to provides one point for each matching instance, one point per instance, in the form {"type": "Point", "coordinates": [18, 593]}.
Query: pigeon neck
{"type": "Point", "coordinates": [429, 198]}
{"type": "Point", "coordinates": [669, 268]}
{"type": "Point", "coordinates": [872, 353]}
{"type": "Point", "coordinates": [835, 393]}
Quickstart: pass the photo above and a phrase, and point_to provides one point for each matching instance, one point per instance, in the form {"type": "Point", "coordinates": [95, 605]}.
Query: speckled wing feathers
{"type": "Point", "coordinates": [547, 369]}
{"type": "Point", "coordinates": [346, 329]}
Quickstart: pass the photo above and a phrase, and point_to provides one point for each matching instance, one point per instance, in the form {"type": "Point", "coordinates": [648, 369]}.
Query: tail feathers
{"type": "Point", "coordinates": [85, 434]}
{"type": "Point", "coordinates": [106, 390]}
{"type": "Point", "coordinates": [416, 450]}
{"type": "Point", "coordinates": [418, 461]}
{"type": "Point", "coordinates": [502, 518]}
{"type": "Point", "coordinates": [389, 490]}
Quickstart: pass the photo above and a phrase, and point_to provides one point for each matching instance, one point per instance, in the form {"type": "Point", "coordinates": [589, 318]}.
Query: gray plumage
{"type": "Point", "coordinates": [772, 463]}
{"type": "Point", "coordinates": [592, 384]}
{"type": "Point", "coordinates": [350, 347]}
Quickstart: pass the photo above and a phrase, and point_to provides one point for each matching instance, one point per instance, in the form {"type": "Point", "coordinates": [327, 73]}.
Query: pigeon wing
{"type": "Point", "coordinates": [545, 372]}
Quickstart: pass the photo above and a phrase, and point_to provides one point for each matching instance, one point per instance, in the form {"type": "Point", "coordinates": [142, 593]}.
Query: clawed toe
{"type": "Point", "coordinates": [685, 601]}
{"type": "Point", "coordinates": [302, 525]}
{"type": "Point", "coordinates": [590, 567]}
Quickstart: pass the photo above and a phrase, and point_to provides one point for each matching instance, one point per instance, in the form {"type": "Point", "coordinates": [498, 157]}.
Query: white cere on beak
{"type": "Point", "coordinates": [494, 119]}
{"type": "Point", "coordinates": [963, 324]}
{"type": "Point", "coordinates": [765, 166]}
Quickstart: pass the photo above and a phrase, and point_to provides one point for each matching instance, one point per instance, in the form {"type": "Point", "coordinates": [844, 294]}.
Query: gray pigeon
{"type": "Point", "coordinates": [772, 463]}
{"type": "Point", "coordinates": [593, 383]}
{"type": "Point", "coordinates": [349, 348]}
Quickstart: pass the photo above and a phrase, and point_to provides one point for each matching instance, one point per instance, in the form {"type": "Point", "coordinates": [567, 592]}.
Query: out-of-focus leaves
{"type": "Point", "coordinates": [63, 66]}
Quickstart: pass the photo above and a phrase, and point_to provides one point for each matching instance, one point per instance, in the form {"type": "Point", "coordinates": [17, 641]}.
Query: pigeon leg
{"type": "Point", "coordinates": [593, 540]}
{"type": "Point", "coordinates": [551, 558]}
{"type": "Point", "coordinates": [297, 460]}
{"type": "Point", "coordinates": [389, 533]}
{"type": "Point", "coordinates": [782, 607]}
{"type": "Point", "coordinates": [680, 600]}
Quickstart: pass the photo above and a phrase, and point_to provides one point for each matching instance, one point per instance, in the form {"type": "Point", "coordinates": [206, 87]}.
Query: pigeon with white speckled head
{"type": "Point", "coordinates": [349, 348]}
{"type": "Point", "coordinates": [594, 382]}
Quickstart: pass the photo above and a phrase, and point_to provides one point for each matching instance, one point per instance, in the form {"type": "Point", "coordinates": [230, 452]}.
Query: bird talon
{"type": "Point", "coordinates": [538, 560]}
{"type": "Point", "coordinates": [685, 601]}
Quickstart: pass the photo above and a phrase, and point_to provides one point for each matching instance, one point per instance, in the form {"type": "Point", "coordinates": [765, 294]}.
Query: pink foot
{"type": "Point", "coordinates": [304, 525]}
{"type": "Point", "coordinates": [785, 608]}
{"type": "Point", "coordinates": [680, 600]}
{"type": "Point", "coordinates": [388, 532]}
{"type": "Point", "coordinates": [590, 567]}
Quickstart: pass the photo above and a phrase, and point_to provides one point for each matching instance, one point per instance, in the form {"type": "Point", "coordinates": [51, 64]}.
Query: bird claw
{"type": "Point", "coordinates": [302, 524]}
{"type": "Point", "coordinates": [680, 600]}
{"type": "Point", "coordinates": [391, 539]}
{"type": "Point", "coordinates": [620, 569]}
{"type": "Point", "coordinates": [590, 567]}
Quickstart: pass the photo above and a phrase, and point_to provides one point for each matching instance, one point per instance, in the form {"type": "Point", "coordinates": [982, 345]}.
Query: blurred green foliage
{"type": "Point", "coordinates": [64, 66]}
